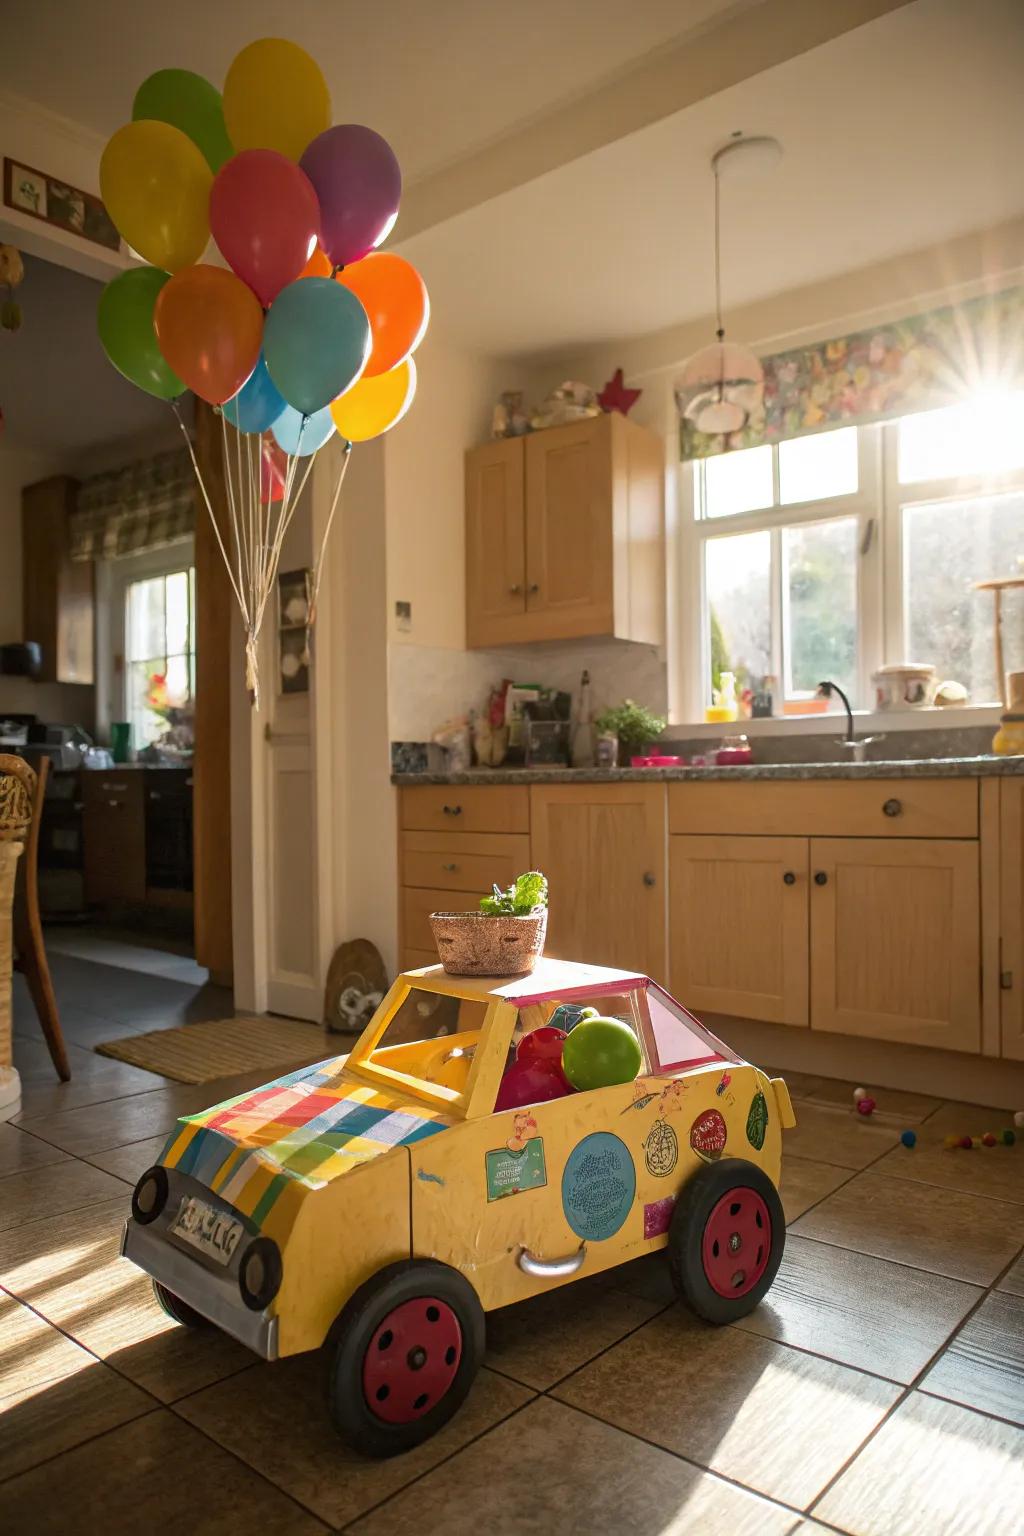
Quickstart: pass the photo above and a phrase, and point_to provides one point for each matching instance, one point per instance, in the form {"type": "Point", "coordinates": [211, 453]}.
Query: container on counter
{"type": "Point", "coordinates": [908, 685]}
{"type": "Point", "coordinates": [1009, 738]}
{"type": "Point", "coordinates": [655, 762]}
{"type": "Point", "coordinates": [606, 751]}
{"type": "Point", "coordinates": [734, 752]}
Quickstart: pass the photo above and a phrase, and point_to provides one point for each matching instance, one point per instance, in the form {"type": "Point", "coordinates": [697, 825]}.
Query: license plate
{"type": "Point", "coordinates": [207, 1229]}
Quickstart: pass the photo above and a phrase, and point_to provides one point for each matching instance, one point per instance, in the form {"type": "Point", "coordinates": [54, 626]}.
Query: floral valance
{"type": "Point", "coordinates": [915, 364]}
{"type": "Point", "coordinates": [127, 511]}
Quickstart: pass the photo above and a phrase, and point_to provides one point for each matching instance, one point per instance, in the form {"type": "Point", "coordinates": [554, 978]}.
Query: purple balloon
{"type": "Point", "coordinates": [359, 184]}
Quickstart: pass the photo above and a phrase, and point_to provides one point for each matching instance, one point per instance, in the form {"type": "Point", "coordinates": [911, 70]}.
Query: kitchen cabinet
{"type": "Point", "coordinates": [57, 592]}
{"type": "Point", "coordinates": [738, 931]}
{"type": "Point", "coordinates": [603, 849]}
{"type": "Point", "coordinates": [114, 837]}
{"type": "Point", "coordinates": [565, 535]}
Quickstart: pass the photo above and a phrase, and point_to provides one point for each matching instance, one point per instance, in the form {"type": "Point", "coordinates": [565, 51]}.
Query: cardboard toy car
{"type": "Point", "coordinates": [380, 1204]}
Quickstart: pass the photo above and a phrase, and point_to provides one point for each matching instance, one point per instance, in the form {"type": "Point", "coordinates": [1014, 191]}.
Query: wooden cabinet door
{"type": "Point", "coordinates": [569, 583]}
{"type": "Point", "coordinates": [895, 940]}
{"type": "Point", "coordinates": [602, 847]}
{"type": "Point", "coordinates": [495, 543]}
{"type": "Point", "coordinates": [738, 926]}
{"type": "Point", "coordinates": [57, 592]}
{"type": "Point", "coordinates": [1011, 918]}
{"type": "Point", "coordinates": [113, 837]}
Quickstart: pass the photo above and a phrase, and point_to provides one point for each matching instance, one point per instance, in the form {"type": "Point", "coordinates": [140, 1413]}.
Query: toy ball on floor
{"type": "Point", "coordinates": [1008, 1138]}
{"type": "Point", "coordinates": [858, 1094]}
{"type": "Point", "coordinates": [530, 1082]}
{"type": "Point", "coordinates": [866, 1105]}
{"type": "Point", "coordinates": [1018, 1119]}
{"type": "Point", "coordinates": [908, 1138]}
{"type": "Point", "coordinates": [989, 1139]}
{"type": "Point", "coordinates": [600, 1053]}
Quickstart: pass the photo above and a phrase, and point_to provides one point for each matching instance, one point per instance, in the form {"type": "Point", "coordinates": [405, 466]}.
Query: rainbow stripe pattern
{"type": "Point", "coordinates": [262, 1150]}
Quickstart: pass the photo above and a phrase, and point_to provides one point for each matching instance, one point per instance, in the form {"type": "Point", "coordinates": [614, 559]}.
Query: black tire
{"type": "Point", "coordinates": [352, 1335]}
{"type": "Point", "coordinates": [179, 1310]}
{"type": "Point", "coordinates": [697, 1200]}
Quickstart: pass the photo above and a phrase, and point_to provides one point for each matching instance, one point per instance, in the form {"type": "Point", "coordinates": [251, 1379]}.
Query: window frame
{"type": "Point", "coordinates": [113, 578]}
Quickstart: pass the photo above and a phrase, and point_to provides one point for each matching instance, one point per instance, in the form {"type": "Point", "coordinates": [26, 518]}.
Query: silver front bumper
{"type": "Point", "coordinates": [215, 1296]}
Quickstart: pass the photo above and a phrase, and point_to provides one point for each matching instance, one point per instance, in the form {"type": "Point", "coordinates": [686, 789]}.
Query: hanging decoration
{"type": "Point", "coordinates": [721, 386]}
{"type": "Point", "coordinates": [12, 272]}
{"type": "Point", "coordinates": [308, 336]}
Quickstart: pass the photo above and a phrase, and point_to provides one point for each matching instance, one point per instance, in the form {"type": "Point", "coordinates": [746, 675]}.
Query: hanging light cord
{"type": "Point", "coordinates": [720, 330]}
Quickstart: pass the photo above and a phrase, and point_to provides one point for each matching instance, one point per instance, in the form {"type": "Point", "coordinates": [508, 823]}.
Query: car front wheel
{"type": "Point", "coordinates": [726, 1239]}
{"type": "Point", "coordinates": [403, 1356]}
{"type": "Point", "coordinates": [178, 1309]}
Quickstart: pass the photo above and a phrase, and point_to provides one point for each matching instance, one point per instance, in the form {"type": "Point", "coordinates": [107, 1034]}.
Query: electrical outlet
{"type": "Point", "coordinates": [403, 617]}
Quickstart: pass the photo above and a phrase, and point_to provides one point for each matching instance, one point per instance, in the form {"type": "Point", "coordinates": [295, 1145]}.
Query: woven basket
{"type": "Point", "coordinates": [9, 852]}
{"type": "Point", "coordinates": [473, 944]}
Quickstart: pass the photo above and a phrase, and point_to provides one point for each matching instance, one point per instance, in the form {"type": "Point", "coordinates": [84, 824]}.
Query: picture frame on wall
{"type": "Point", "coordinates": [56, 202]}
{"type": "Point", "coordinates": [294, 592]}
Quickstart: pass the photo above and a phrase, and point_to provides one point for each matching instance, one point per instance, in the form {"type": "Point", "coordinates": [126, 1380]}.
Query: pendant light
{"type": "Point", "coordinates": [722, 385]}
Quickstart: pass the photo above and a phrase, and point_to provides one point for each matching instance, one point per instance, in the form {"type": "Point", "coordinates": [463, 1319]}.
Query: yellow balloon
{"type": "Point", "coordinates": [374, 405]}
{"type": "Point", "coordinates": [156, 186]}
{"type": "Point", "coordinates": [275, 98]}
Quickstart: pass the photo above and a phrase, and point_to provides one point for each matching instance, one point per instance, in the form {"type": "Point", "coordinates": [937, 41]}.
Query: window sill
{"type": "Point", "coordinates": [833, 723]}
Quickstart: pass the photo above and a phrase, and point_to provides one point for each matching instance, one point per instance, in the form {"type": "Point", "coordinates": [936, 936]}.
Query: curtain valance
{"type": "Point", "coordinates": [143, 506]}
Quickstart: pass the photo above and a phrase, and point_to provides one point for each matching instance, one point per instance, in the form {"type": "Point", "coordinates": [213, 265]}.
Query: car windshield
{"type": "Point", "coordinates": [432, 1037]}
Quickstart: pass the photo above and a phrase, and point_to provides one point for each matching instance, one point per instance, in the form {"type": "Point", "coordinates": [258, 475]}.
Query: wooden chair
{"type": "Point", "coordinates": [29, 949]}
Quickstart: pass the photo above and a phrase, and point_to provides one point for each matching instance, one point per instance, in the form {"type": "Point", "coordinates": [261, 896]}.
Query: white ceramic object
{"type": "Point", "coordinates": [10, 1093]}
{"type": "Point", "coordinates": [906, 686]}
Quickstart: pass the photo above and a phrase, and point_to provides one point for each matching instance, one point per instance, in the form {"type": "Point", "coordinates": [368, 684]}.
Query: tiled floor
{"type": "Point", "coordinates": [878, 1390]}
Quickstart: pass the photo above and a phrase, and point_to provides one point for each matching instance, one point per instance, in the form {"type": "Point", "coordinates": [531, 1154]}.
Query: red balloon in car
{"type": "Point", "coordinates": [530, 1082]}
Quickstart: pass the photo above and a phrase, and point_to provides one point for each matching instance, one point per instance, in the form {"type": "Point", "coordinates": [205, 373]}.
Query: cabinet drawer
{"type": "Point", "coordinates": [872, 808]}
{"type": "Point", "coordinates": [417, 906]}
{"type": "Point", "coordinates": [110, 790]}
{"type": "Point", "coordinates": [467, 808]}
{"type": "Point", "coordinates": [463, 861]}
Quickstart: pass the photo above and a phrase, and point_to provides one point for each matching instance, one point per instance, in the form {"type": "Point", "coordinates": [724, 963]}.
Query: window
{"type": "Point", "coordinates": [827, 556]}
{"type": "Point", "coordinates": [160, 658]}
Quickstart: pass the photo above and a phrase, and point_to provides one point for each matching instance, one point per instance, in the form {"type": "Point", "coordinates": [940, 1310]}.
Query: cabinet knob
{"type": "Point", "coordinates": [516, 588]}
{"type": "Point", "coordinates": [893, 808]}
{"type": "Point", "coordinates": [789, 878]}
{"type": "Point", "coordinates": [114, 803]}
{"type": "Point", "coordinates": [534, 586]}
{"type": "Point", "coordinates": [820, 877]}
{"type": "Point", "coordinates": [452, 810]}
{"type": "Point", "coordinates": [449, 869]}
{"type": "Point", "coordinates": [649, 879]}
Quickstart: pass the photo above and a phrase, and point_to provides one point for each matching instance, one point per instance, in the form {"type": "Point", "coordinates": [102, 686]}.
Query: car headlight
{"type": "Point", "coordinates": [259, 1274]}
{"type": "Point", "coordinates": [149, 1195]}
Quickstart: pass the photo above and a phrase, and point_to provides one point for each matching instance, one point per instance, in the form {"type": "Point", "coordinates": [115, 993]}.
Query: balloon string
{"type": "Point", "coordinates": [272, 553]}
{"type": "Point", "coordinates": [233, 511]}
{"type": "Point", "coordinates": [209, 508]}
{"type": "Point", "coordinates": [327, 530]}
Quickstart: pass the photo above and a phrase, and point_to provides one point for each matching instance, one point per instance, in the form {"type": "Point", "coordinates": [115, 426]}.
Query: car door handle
{"type": "Point", "coordinates": [551, 1269]}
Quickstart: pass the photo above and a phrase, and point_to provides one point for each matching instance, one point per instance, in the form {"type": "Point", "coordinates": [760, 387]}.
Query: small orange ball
{"type": "Point", "coordinates": [988, 1140]}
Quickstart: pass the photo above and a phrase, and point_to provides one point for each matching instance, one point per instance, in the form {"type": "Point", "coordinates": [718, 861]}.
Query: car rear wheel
{"type": "Point", "coordinates": [403, 1356]}
{"type": "Point", "coordinates": [726, 1239]}
{"type": "Point", "coordinates": [178, 1309]}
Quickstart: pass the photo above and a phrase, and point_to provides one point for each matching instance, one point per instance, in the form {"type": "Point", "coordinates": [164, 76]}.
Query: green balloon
{"type": "Point", "coordinates": [600, 1052]}
{"type": "Point", "coordinates": [125, 320]}
{"type": "Point", "coordinates": [188, 102]}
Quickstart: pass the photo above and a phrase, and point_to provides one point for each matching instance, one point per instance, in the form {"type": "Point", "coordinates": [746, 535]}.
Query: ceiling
{"type": "Point", "coordinates": [439, 78]}
{"type": "Point", "coordinates": [897, 136]}
{"type": "Point", "coordinates": [57, 389]}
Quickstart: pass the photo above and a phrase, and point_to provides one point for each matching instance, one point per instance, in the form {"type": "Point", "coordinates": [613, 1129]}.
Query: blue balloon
{"type": "Point", "coordinates": [257, 404]}
{"type": "Point", "coordinates": [316, 340]}
{"type": "Point", "coordinates": [286, 429]}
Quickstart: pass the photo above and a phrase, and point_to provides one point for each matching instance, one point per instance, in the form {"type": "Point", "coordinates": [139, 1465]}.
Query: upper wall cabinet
{"type": "Point", "coordinates": [57, 592]}
{"type": "Point", "coordinates": [565, 535]}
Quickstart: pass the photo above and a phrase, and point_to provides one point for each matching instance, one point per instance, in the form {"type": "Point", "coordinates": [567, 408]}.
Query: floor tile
{"type": "Point", "coordinates": [940, 1230]}
{"type": "Point", "coordinates": [1013, 1280]}
{"type": "Point", "coordinates": [20, 1150]}
{"type": "Point", "coordinates": [541, 1340]}
{"type": "Point", "coordinates": [94, 1080]}
{"type": "Point", "coordinates": [129, 1163]}
{"type": "Point", "coordinates": [68, 1269]}
{"type": "Point", "coordinates": [997, 1171]}
{"type": "Point", "coordinates": [51, 1190]}
{"type": "Point", "coordinates": [800, 1084]}
{"type": "Point", "coordinates": [774, 1419]}
{"type": "Point", "coordinates": [983, 1367]}
{"type": "Point", "coordinates": [838, 1136]}
{"type": "Point", "coordinates": [647, 1277]}
{"type": "Point", "coordinates": [155, 1473]}
{"type": "Point", "coordinates": [552, 1469]}
{"type": "Point", "coordinates": [804, 1183]}
{"type": "Point", "coordinates": [934, 1469]}
{"type": "Point", "coordinates": [275, 1418]}
{"type": "Point", "coordinates": [909, 1108]}
{"type": "Point", "coordinates": [97, 1127]}
{"type": "Point", "coordinates": [53, 1393]}
{"type": "Point", "coordinates": [861, 1311]}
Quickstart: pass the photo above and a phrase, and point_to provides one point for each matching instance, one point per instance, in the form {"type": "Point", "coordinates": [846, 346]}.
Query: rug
{"type": "Point", "coordinates": [196, 1053]}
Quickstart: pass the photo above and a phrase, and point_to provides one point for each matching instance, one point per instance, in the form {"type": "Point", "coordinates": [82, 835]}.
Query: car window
{"type": "Point", "coordinates": [525, 1079]}
{"type": "Point", "coordinates": [678, 1039]}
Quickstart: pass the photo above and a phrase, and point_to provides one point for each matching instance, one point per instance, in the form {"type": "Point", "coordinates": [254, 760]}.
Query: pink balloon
{"type": "Point", "coordinates": [265, 218]}
{"type": "Point", "coordinates": [359, 185]}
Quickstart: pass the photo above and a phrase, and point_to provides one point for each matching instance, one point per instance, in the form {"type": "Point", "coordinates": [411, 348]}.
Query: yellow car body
{"type": "Point", "coordinates": [395, 1152]}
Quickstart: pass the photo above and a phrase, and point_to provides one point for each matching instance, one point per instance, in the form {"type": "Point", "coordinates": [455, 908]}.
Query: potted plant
{"type": "Point", "coordinates": [506, 936]}
{"type": "Point", "coordinates": [632, 725]}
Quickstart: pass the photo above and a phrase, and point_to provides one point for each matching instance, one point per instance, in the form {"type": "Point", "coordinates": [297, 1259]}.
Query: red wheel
{"type": "Point", "coordinates": [736, 1243]}
{"type": "Point", "coordinates": [412, 1360]}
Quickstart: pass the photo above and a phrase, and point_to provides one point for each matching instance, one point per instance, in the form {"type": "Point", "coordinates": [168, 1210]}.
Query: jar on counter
{"type": "Point", "coordinates": [1009, 738]}
{"type": "Point", "coordinates": [734, 752]}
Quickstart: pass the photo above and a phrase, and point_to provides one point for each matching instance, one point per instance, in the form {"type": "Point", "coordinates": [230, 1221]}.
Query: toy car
{"type": "Point", "coordinates": [380, 1204]}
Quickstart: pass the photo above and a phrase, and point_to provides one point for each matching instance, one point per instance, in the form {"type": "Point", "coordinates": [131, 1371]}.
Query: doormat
{"type": "Point", "coordinates": [196, 1053]}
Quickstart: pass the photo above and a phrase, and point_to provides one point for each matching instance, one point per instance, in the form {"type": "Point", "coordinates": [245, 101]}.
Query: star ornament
{"type": "Point", "coordinates": [616, 397]}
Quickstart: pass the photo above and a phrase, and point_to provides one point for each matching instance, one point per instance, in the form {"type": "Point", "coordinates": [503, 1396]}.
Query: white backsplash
{"type": "Point", "coordinates": [427, 686]}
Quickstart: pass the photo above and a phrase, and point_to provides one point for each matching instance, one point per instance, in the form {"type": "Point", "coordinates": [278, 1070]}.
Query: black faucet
{"type": "Point", "coordinates": [850, 743]}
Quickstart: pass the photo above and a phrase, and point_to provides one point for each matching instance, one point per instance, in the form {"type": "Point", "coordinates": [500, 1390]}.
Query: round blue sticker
{"type": "Point", "coordinates": [598, 1186]}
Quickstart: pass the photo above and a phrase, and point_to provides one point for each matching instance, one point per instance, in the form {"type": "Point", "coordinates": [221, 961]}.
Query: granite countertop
{"type": "Point", "coordinates": [898, 768]}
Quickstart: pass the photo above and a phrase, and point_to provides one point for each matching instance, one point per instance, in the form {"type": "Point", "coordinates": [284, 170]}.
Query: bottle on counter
{"type": "Point", "coordinates": [583, 732]}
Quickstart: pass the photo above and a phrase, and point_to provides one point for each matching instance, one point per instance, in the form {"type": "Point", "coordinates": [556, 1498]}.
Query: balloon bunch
{"type": "Point", "coordinates": [307, 332]}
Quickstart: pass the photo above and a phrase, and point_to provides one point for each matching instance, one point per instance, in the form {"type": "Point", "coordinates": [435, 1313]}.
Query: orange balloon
{"type": "Point", "coordinates": [209, 327]}
{"type": "Point", "coordinates": [317, 265]}
{"type": "Point", "coordinates": [373, 406]}
{"type": "Point", "coordinates": [395, 299]}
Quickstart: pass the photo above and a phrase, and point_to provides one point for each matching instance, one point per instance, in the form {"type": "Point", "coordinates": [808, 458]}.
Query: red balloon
{"type": "Point", "coordinates": [273, 469]}
{"type": "Point", "coordinates": [542, 1045]}
{"type": "Point", "coordinates": [529, 1082]}
{"type": "Point", "coordinates": [265, 218]}
{"type": "Point", "coordinates": [209, 328]}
